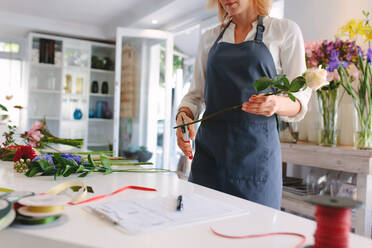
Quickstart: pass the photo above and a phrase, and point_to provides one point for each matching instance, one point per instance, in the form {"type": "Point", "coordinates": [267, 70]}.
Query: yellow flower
{"type": "Point", "coordinates": [354, 27]}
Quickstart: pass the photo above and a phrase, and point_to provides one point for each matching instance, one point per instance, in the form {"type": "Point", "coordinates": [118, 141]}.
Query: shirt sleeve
{"type": "Point", "coordinates": [194, 99]}
{"type": "Point", "coordinates": [292, 59]}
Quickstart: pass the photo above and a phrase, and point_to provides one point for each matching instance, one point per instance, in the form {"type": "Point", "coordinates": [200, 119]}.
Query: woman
{"type": "Point", "coordinates": [238, 152]}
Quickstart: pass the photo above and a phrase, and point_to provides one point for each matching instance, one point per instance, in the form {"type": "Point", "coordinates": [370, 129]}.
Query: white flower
{"type": "Point", "coordinates": [316, 78]}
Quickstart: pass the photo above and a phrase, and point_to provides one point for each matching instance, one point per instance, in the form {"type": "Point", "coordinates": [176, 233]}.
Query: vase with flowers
{"type": "Point", "coordinates": [359, 87]}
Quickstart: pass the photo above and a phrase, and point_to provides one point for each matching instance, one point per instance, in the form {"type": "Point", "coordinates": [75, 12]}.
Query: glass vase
{"type": "Point", "coordinates": [288, 132]}
{"type": "Point", "coordinates": [328, 101]}
{"type": "Point", "coordinates": [362, 128]}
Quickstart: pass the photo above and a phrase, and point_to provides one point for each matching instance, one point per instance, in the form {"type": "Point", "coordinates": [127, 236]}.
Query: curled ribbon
{"type": "Point", "coordinates": [63, 186]}
{"type": "Point", "coordinates": [299, 245]}
{"type": "Point", "coordinates": [112, 193]}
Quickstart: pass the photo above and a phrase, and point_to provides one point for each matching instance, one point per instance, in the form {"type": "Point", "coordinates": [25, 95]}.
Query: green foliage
{"type": "Point", "coordinates": [65, 168]}
{"type": "Point", "coordinates": [3, 108]}
{"type": "Point", "coordinates": [280, 85]}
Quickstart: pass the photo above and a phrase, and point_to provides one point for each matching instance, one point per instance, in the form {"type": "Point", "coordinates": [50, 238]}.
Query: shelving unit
{"type": "Point", "coordinates": [339, 159]}
{"type": "Point", "coordinates": [59, 92]}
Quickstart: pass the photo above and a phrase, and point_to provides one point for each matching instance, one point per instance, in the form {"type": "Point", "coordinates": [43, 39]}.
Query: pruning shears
{"type": "Point", "coordinates": [186, 134]}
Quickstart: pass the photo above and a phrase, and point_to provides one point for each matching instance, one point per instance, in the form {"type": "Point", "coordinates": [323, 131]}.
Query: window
{"type": "Point", "coordinates": [11, 88]}
{"type": "Point", "coordinates": [9, 47]}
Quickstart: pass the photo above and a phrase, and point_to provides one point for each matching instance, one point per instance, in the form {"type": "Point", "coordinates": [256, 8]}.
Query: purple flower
{"type": "Point", "coordinates": [334, 62]}
{"type": "Point", "coordinates": [369, 55]}
{"type": "Point", "coordinates": [71, 157]}
{"type": "Point", "coordinates": [45, 157]}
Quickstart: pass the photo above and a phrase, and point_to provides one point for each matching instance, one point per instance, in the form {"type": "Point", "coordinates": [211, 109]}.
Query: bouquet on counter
{"type": "Point", "coordinates": [65, 164]}
{"type": "Point", "coordinates": [40, 137]}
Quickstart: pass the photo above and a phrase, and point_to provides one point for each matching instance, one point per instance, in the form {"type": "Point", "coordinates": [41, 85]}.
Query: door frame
{"type": "Point", "coordinates": [150, 34]}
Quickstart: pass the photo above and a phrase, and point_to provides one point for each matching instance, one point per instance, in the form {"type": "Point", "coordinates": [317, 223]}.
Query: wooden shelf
{"type": "Point", "coordinates": [103, 71]}
{"type": "Point", "coordinates": [45, 65]}
{"type": "Point", "coordinates": [101, 95]}
{"type": "Point", "coordinates": [333, 158]}
{"type": "Point", "coordinates": [297, 205]}
{"type": "Point", "coordinates": [46, 117]}
{"type": "Point", "coordinates": [46, 91]}
{"type": "Point", "coordinates": [345, 159]}
{"type": "Point", "coordinates": [100, 120]}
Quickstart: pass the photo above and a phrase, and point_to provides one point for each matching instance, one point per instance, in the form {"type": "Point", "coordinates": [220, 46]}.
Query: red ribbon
{"type": "Point", "coordinates": [112, 193]}
{"type": "Point", "coordinates": [299, 245]}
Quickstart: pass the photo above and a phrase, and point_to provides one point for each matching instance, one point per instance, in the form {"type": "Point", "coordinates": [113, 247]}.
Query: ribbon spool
{"type": "Point", "coordinates": [51, 204]}
{"type": "Point", "coordinates": [7, 214]}
{"type": "Point", "coordinates": [43, 205]}
{"type": "Point", "coordinates": [333, 217]}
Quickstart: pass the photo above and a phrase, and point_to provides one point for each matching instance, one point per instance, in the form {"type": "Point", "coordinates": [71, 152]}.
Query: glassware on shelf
{"type": "Point", "coordinates": [51, 81]}
{"type": "Point", "coordinates": [79, 85]}
{"type": "Point", "coordinates": [100, 109]}
{"type": "Point", "coordinates": [94, 88]}
{"type": "Point", "coordinates": [68, 83]}
{"type": "Point", "coordinates": [104, 87]}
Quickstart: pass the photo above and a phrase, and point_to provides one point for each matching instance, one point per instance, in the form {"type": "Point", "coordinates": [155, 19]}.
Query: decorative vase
{"type": "Point", "coordinates": [104, 88]}
{"type": "Point", "coordinates": [362, 129]}
{"type": "Point", "coordinates": [78, 114]}
{"type": "Point", "coordinates": [328, 99]}
{"type": "Point", "coordinates": [94, 88]}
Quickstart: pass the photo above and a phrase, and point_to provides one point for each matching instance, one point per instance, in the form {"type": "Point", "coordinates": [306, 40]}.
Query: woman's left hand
{"type": "Point", "coordinates": [261, 105]}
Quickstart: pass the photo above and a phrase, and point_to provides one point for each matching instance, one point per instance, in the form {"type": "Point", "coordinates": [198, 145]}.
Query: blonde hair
{"type": "Point", "coordinates": [262, 8]}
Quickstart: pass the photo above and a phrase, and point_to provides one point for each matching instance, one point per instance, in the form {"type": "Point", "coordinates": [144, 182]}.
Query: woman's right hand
{"type": "Point", "coordinates": [182, 144]}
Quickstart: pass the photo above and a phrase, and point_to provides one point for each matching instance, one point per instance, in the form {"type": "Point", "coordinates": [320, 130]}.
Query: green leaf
{"type": "Point", "coordinates": [297, 84]}
{"type": "Point", "coordinates": [44, 165]}
{"type": "Point", "coordinates": [69, 171]}
{"type": "Point", "coordinates": [105, 162]}
{"type": "Point", "coordinates": [262, 83]}
{"type": "Point", "coordinates": [90, 189]}
{"type": "Point", "coordinates": [91, 161]}
{"type": "Point", "coordinates": [291, 97]}
{"type": "Point", "coordinates": [57, 173]}
{"type": "Point", "coordinates": [84, 174]}
{"type": "Point", "coordinates": [58, 159]}
{"type": "Point", "coordinates": [3, 107]}
{"type": "Point", "coordinates": [286, 82]}
{"type": "Point", "coordinates": [80, 169]}
{"type": "Point", "coordinates": [33, 172]}
{"type": "Point", "coordinates": [107, 171]}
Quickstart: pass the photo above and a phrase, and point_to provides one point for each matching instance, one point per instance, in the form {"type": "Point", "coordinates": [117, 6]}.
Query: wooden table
{"type": "Point", "coordinates": [84, 229]}
{"type": "Point", "coordinates": [339, 159]}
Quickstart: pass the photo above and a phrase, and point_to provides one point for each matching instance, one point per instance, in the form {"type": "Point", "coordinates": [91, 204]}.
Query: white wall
{"type": "Point", "coordinates": [320, 19]}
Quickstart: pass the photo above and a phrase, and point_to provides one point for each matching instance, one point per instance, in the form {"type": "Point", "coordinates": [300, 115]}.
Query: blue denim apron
{"type": "Point", "coordinates": [237, 152]}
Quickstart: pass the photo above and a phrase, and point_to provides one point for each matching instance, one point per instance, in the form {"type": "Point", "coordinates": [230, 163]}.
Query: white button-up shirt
{"type": "Point", "coordinates": [284, 40]}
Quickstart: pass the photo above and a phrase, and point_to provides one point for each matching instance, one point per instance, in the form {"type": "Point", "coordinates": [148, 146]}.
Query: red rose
{"type": "Point", "coordinates": [24, 152]}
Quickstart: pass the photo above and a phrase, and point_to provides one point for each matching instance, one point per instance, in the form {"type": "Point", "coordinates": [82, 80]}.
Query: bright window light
{"type": "Point", "coordinates": [8, 47]}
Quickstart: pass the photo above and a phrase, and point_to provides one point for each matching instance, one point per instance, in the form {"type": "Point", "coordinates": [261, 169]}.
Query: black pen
{"type": "Point", "coordinates": [179, 203]}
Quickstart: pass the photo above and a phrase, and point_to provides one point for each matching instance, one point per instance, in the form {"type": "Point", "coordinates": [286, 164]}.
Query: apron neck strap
{"type": "Point", "coordinates": [222, 32]}
{"type": "Point", "coordinates": [260, 29]}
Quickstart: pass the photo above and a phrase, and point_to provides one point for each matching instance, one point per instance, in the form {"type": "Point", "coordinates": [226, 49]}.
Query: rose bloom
{"type": "Point", "coordinates": [316, 78]}
{"type": "Point", "coordinates": [37, 125]}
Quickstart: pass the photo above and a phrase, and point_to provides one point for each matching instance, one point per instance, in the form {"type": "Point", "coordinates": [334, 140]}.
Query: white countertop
{"type": "Point", "coordinates": [84, 229]}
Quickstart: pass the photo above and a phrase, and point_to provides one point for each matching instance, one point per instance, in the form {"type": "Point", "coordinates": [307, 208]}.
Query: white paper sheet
{"type": "Point", "coordinates": [142, 215]}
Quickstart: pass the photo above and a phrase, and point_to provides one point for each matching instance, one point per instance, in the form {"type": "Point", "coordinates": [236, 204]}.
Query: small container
{"type": "Point", "coordinates": [94, 87]}
{"type": "Point", "coordinates": [104, 87]}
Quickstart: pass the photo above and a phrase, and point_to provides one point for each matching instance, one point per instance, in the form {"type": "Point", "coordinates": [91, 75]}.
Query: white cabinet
{"type": "Point", "coordinates": [61, 73]}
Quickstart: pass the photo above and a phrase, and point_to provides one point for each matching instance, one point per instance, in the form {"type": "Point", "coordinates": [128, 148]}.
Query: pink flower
{"type": "Point", "coordinates": [34, 137]}
{"type": "Point", "coordinates": [312, 49]}
{"type": "Point", "coordinates": [333, 75]}
{"type": "Point", "coordinates": [37, 125]}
